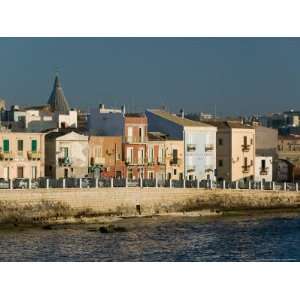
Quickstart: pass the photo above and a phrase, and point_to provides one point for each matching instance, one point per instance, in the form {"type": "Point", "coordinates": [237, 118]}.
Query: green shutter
{"type": "Point", "coordinates": [6, 145]}
{"type": "Point", "coordinates": [33, 146]}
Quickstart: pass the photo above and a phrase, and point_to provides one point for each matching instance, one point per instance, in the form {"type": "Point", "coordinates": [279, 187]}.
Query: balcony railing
{"type": "Point", "coordinates": [191, 147]}
{"type": "Point", "coordinates": [246, 169]}
{"type": "Point", "coordinates": [191, 169]}
{"type": "Point", "coordinates": [64, 161]}
{"type": "Point", "coordinates": [263, 171]}
{"type": "Point", "coordinates": [6, 155]}
{"type": "Point", "coordinates": [209, 147]}
{"type": "Point", "coordinates": [135, 139]}
{"type": "Point", "coordinates": [32, 155]}
{"type": "Point", "coordinates": [175, 161]}
{"type": "Point", "coordinates": [245, 147]}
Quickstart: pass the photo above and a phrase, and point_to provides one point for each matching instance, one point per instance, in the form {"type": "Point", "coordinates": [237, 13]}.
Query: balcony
{"type": "Point", "coordinates": [246, 168]}
{"type": "Point", "coordinates": [6, 155]}
{"type": "Point", "coordinates": [263, 171]}
{"type": "Point", "coordinates": [135, 139]}
{"type": "Point", "coordinates": [64, 161]}
{"type": "Point", "coordinates": [33, 155]}
{"type": "Point", "coordinates": [245, 148]}
{"type": "Point", "coordinates": [191, 169]}
{"type": "Point", "coordinates": [175, 161]}
{"type": "Point", "coordinates": [209, 147]}
{"type": "Point", "coordinates": [191, 148]}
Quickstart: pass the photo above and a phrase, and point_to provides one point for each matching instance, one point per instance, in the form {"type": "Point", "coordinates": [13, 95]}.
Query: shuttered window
{"type": "Point", "coordinates": [6, 145]}
{"type": "Point", "coordinates": [33, 145]}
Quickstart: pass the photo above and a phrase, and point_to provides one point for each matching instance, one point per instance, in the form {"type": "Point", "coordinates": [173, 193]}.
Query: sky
{"type": "Point", "coordinates": [234, 76]}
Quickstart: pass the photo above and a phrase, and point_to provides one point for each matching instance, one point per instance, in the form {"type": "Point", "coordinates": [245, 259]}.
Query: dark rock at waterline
{"type": "Point", "coordinates": [47, 227]}
{"type": "Point", "coordinates": [111, 229]}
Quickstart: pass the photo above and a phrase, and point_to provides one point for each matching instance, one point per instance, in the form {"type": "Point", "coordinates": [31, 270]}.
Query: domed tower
{"type": "Point", "coordinates": [57, 100]}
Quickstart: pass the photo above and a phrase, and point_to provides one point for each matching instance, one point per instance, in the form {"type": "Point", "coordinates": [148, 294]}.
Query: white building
{"type": "Point", "coordinates": [55, 114]}
{"type": "Point", "coordinates": [199, 142]}
{"type": "Point", "coordinates": [263, 168]}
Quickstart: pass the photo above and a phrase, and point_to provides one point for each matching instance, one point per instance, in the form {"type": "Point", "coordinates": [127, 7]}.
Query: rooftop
{"type": "Point", "coordinates": [178, 120]}
{"type": "Point", "coordinates": [229, 124]}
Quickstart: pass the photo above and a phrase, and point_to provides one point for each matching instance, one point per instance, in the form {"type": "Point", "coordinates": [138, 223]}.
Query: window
{"type": "Point", "coordinates": [34, 172]}
{"type": "Point", "coordinates": [175, 171]}
{"type": "Point", "coordinates": [263, 164]}
{"type": "Point", "coordinates": [220, 163]}
{"type": "Point", "coordinates": [20, 145]}
{"type": "Point", "coordinates": [6, 173]}
{"type": "Point", "coordinates": [98, 151]}
{"type": "Point", "coordinates": [220, 142]}
{"type": "Point", "coordinates": [141, 156]}
{"type": "Point", "coordinates": [65, 152]}
{"type": "Point", "coordinates": [151, 154]}
{"type": "Point", "coordinates": [6, 145]}
{"type": "Point", "coordinates": [20, 172]}
{"type": "Point", "coordinates": [245, 161]}
{"type": "Point", "coordinates": [245, 140]}
{"type": "Point", "coordinates": [33, 145]}
{"type": "Point", "coordinates": [175, 156]}
{"type": "Point", "coordinates": [129, 155]}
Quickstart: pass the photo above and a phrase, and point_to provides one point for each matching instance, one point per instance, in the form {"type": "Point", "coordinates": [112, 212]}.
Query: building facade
{"type": "Point", "coordinates": [21, 155]}
{"type": "Point", "coordinates": [263, 168]}
{"type": "Point", "coordinates": [199, 142]}
{"type": "Point", "coordinates": [105, 156]}
{"type": "Point", "coordinates": [66, 154]}
{"type": "Point", "coordinates": [235, 151]}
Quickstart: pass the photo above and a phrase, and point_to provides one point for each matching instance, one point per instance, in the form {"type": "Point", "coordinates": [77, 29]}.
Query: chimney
{"type": "Point", "coordinates": [181, 113]}
{"type": "Point", "coordinates": [101, 106]}
{"type": "Point", "coordinates": [123, 108]}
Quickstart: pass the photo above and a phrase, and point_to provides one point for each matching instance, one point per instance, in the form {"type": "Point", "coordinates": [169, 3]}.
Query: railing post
{"type": "Point", "coordinates": [184, 183]}
{"type": "Point", "coordinates": [29, 183]}
{"type": "Point", "coordinates": [284, 186]}
{"type": "Point", "coordinates": [11, 184]}
{"type": "Point", "coordinates": [261, 185]}
{"type": "Point", "coordinates": [97, 182]}
{"type": "Point", "coordinates": [80, 183]}
{"type": "Point", "coordinates": [64, 183]}
{"type": "Point", "coordinates": [171, 183]}
{"type": "Point", "coordinates": [156, 182]}
{"type": "Point", "coordinates": [112, 182]}
{"type": "Point", "coordinates": [126, 182]}
{"type": "Point", "coordinates": [47, 183]}
{"type": "Point", "coordinates": [273, 185]}
{"type": "Point", "coordinates": [141, 182]}
{"type": "Point", "coordinates": [224, 184]}
{"type": "Point", "coordinates": [236, 185]}
{"type": "Point", "coordinates": [297, 187]}
{"type": "Point", "coordinates": [198, 183]}
{"type": "Point", "coordinates": [249, 185]}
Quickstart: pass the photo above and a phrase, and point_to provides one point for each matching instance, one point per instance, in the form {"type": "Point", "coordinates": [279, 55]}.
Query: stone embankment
{"type": "Point", "coordinates": [43, 204]}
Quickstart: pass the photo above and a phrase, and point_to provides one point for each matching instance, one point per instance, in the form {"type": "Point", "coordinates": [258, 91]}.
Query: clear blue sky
{"type": "Point", "coordinates": [239, 76]}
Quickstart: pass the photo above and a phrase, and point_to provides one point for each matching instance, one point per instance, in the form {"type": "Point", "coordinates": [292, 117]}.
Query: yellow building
{"type": "Point", "coordinates": [235, 151]}
{"type": "Point", "coordinates": [174, 159]}
{"type": "Point", "coordinates": [21, 155]}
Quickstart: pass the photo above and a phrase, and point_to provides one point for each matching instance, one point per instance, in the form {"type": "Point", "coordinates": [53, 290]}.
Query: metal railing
{"type": "Point", "coordinates": [85, 183]}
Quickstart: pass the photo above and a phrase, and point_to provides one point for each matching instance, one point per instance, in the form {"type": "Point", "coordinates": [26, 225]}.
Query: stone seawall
{"type": "Point", "coordinates": [122, 201]}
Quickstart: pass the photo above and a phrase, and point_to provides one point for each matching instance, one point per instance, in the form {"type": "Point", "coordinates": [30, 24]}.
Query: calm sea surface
{"type": "Point", "coordinates": [161, 239]}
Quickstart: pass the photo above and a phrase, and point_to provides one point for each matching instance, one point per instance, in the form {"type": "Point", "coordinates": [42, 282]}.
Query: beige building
{"type": "Point", "coordinates": [174, 159]}
{"type": "Point", "coordinates": [66, 154]}
{"type": "Point", "coordinates": [21, 155]}
{"type": "Point", "coordinates": [235, 151]}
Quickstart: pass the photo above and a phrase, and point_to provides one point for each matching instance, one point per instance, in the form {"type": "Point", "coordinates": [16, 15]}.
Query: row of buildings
{"type": "Point", "coordinates": [57, 141]}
